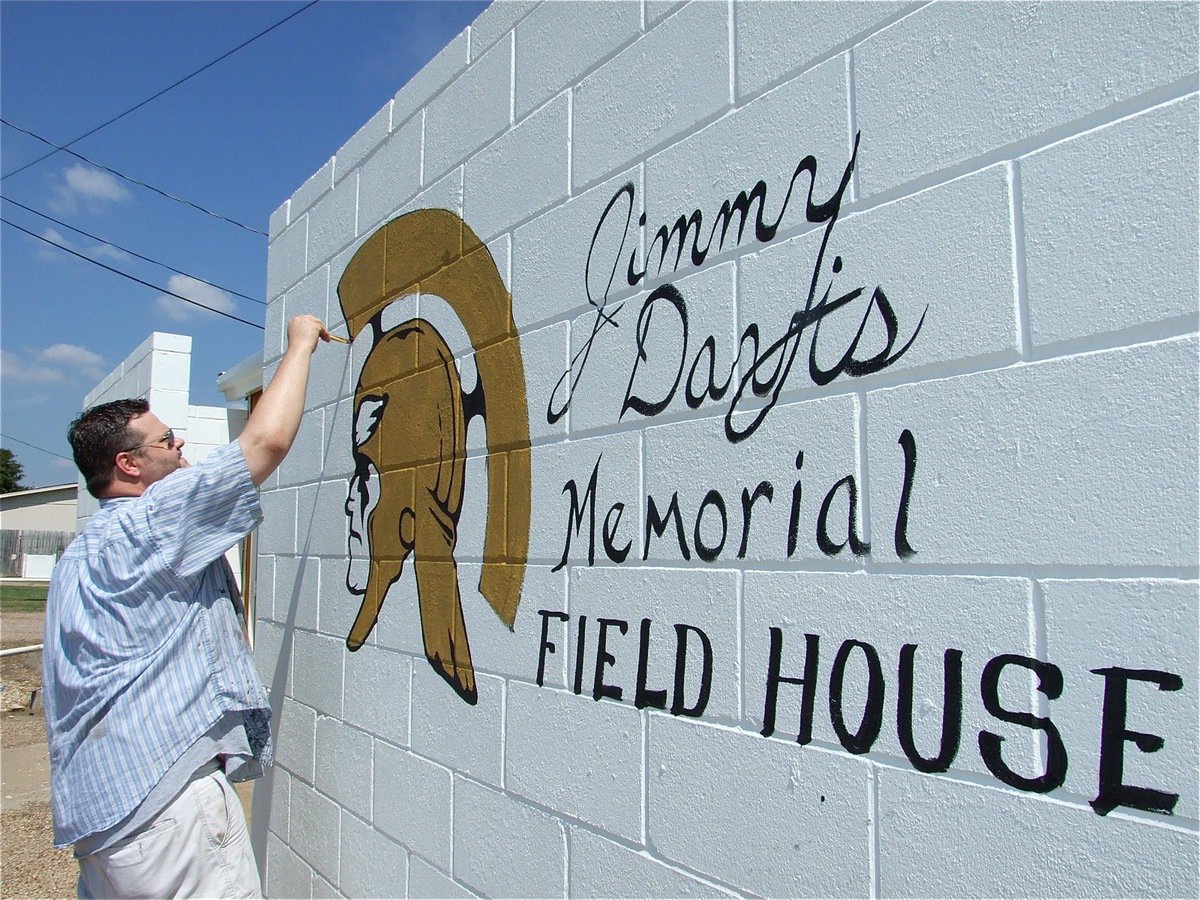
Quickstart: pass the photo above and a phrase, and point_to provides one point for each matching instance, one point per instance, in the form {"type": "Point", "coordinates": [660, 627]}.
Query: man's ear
{"type": "Point", "coordinates": [128, 464]}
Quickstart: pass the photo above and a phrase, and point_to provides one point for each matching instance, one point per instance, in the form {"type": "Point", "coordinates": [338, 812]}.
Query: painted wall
{"type": "Point", "coordinates": [768, 441]}
{"type": "Point", "coordinates": [40, 509]}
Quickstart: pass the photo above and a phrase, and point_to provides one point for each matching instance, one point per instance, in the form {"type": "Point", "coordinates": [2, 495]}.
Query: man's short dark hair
{"type": "Point", "coordinates": [98, 435]}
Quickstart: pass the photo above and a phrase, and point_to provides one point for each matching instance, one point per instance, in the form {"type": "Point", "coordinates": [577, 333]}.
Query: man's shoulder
{"type": "Point", "coordinates": [223, 471]}
{"type": "Point", "coordinates": [112, 511]}
{"type": "Point", "coordinates": [195, 514]}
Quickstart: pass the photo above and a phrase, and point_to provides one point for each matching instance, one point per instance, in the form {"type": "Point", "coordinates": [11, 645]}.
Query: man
{"type": "Point", "coordinates": [151, 696]}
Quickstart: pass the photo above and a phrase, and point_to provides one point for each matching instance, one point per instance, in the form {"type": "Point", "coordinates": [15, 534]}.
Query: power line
{"type": "Point", "coordinates": [169, 87]}
{"type": "Point", "coordinates": [132, 252]}
{"type": "Point", "coordinates": [148, 284]}
{"type": "Point", "coordinates": [129, 178]}
{"type": "Point", "coordinates": [34, 446]}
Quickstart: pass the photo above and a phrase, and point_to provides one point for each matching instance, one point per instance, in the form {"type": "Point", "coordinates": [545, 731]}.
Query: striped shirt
{"type": "Point", "coordinates": [144, 652]}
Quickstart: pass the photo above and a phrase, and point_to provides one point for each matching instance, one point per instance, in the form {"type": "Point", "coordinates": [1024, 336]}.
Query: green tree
{"type": "Point", "coordinates": [10, 472]}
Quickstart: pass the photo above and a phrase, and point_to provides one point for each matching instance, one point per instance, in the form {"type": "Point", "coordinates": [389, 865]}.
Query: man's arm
{"type": "Point", "coordinates": [272, 426]}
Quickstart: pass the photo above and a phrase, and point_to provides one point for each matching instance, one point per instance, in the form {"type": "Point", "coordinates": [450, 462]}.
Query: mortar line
{"type": "Point", "coordinates": [645, 829]}
{"type": "Point", "coordinates": [570, 146]}
{"type": "Point", "coordinates": [421, 154]}
{"type": "Point", "coordinates": [740, 637]}
{"type": "Point", "coordinates": [873, 846]}
{"type": "Point", "coordinates": [453, 802]}
{"type": "Point", "coordinates": [1037, 625]}
{"type": "Point", "coordinates": [512, 77]}
{"type": "Point", "coordinates": [566, 865]}
{"type": "Point", "coordinates": [731, 18]}
{"type": "Point", "coordinates": [1020, 276]}
{"type": "Point", "coordinates": [864, 475]}
{"type": "Point", "coordinates": [852, 122]}
{"type": "Point", "coordinates": [411, 686]}
{"type": "Point", "coordinates": [503, 734]}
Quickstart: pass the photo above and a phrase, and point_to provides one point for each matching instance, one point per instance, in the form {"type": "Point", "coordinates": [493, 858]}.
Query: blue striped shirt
{"type": "Point", "coordinates": [144, 652]}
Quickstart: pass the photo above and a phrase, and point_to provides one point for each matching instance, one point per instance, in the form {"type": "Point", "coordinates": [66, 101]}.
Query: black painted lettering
{"type": "Point", "coordinates": [951, 710]}
{"type": "Point", "coordinates": [764, 489]}
{"type": "Point", "coordinates": [710, 388]}
{"type": "Point", "coordinates": [674, 301]}
{"type": "Point", "coordinates": [598, 276]}
{"type": "Point", "coordinates": [644, 696]}
{"type": "Point", "coordinates": [678, 704]}
{"type": "Point", "coordinates": [808, 682]}
{"type": "Point", "coordinates": [853, 367]}
{"type": "Point", "coordinates": [683, 227]}
{"type": "Point", "coordinates": [794, 517]}
{"type": "Point", "coordinates": [658, 524]}
{"type": "Point", "coordinates": [604, 658]}
{"type": "Point", "coordinates": [861, 740]}
{"type": "Point", "coordinates": [576, 512]}
{"type": "Point", "coordinates": [547, 645]}
{"type": "Point", "coordinates": [709, 553]}
{"type": "Point", "coordinates": [615, 553]}
{"type": "Point", "coordinates": [909, 443]}
{"type": "Point", "coordinates": [785, 347]}
{"type": "Point", "coordinates": [857, 546]}
{"type": "Point", "coordinates": [763, 366]}
{"type": "Point", "coordinates": [580, 639]}
{"type": "Point", "coordinates": [1114, 735]}
{"type": "Point", "coordinates": [1050, 683]}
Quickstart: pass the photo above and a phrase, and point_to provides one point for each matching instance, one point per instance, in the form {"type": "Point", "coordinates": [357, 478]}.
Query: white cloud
{"type": "Point", "coordinates": [83, 185]}
{"type": "Point", "coordinates": [94, 183]}
{"type": "Point", "coordinates": [56, 364]}
{"type": "Point", "coordinates": [82, 358]}
{"type": "Point", "coordinates": [27, 370]}
{"type": "Point", "coordinates": [54, 237]}
{"type": "Point", "coordinates": [102, 250]}
{"type": "Point", "coordinates": [206, 295]}
{"type": "Point", "coordinates": [95, 251]}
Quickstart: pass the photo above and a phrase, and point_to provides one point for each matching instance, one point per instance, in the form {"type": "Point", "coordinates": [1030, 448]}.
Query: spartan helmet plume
{"type": "Point", "coordinates": [410, 420]}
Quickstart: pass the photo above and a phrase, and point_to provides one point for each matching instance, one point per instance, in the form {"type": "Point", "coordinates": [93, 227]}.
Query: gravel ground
{"type": "Point", "coordinates": [29, 864]}
{"type": "Point", "coordinates": [20, 629]}
{"type": "Point", "coordinates": [18, 679]}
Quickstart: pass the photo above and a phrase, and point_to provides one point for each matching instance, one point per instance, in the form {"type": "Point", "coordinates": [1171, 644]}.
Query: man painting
{"type": "Point", "coordinates": [152, 700]}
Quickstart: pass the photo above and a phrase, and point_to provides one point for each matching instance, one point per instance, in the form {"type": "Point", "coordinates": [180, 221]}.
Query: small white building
{"type": "Point", "coordinates": [40, 509]}
{"type": "Point", "coordinates": [35, 526]}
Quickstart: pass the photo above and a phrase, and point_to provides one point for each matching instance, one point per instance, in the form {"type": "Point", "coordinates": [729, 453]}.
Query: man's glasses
{"type": "Point", "coordinates": [169, 437]}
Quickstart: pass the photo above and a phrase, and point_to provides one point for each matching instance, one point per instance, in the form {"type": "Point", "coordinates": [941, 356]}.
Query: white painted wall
{"type": "Point", "coordinates": [1024, 195]}
{"type": "Point", "coordinates": [40, 509]}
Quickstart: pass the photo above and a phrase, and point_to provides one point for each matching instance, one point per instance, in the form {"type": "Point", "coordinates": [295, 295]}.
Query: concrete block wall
{"type": "Point", "coordinates": [860, 352]}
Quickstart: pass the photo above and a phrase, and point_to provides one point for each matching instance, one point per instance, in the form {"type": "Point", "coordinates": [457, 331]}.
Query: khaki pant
{"type": "Point", "coordinates": [196, 847]}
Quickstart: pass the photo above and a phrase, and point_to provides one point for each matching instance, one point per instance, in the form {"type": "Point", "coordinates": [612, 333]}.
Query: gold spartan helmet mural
{"type": "Point", "coordinates": [410, 421]}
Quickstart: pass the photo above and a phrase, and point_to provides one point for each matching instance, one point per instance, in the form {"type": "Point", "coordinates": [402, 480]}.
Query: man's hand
{"type": "Point", "coordinates": [305, 331]}
{"type": "Point", "coordinates": [272, 426]}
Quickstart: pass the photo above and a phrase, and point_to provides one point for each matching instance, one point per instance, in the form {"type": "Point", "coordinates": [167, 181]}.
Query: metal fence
{"type": "Point", "coordinates": [16, 546]}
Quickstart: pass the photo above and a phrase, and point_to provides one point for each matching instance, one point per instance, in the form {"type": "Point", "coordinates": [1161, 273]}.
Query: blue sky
{"type": "Point", "coordinates": [237, 139]}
